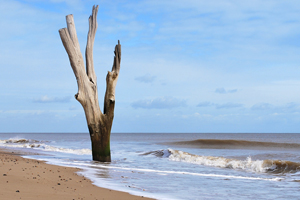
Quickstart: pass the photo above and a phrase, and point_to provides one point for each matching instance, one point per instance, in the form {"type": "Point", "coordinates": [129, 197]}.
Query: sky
{"type": "Point", "coordinates": [192, 66]}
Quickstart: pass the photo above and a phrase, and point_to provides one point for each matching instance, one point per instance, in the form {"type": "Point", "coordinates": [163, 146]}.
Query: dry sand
{"type": "Point", "coordinates": [31, 180]}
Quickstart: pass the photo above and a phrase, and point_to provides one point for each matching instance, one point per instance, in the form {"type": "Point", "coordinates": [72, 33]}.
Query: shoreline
{"type": "Point", "coordinates": [24, 178]}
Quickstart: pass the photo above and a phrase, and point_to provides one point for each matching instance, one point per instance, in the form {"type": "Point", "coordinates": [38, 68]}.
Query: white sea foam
{"type": "Point", "coordinates": [164, 172]}
{"type": "Point", "coordinates": [34, 144]}
{"type": "Point", "coordinates": [248, 164]}
{"type": "Point", "coordinates": [67, 150]}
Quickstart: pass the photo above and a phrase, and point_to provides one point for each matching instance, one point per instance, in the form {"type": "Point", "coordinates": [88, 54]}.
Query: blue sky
{"type": "Point", "coordinates": [187, 66]}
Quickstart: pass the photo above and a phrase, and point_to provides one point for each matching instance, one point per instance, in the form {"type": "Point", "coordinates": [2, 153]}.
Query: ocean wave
{"type": "Point", "coordinates": [281, 166]}
{"type": "Point", "coordinates": [234, 144]}
{"type": "Point", "coordinates": [158, 153]}
{"type": "Point", "coordinates": [261, 166]}
{"type": "Point", "coordinates": [258, 166]}
{"type": "Point", "coordinates": [18, 141]}
{"type": "Point", "coordinates": [40, 145]}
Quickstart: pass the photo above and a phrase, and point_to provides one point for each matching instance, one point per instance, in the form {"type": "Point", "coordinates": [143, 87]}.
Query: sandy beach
{"type": "Point", "coordinates": [32, 179]}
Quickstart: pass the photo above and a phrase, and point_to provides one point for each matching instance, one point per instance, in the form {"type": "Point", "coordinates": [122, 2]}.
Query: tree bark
{"type": "Point", "coordinates": [99, 124]}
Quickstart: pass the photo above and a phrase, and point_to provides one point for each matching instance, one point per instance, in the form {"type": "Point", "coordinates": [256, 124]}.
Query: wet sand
{"type": "Point", "coordinates": [33, 180]}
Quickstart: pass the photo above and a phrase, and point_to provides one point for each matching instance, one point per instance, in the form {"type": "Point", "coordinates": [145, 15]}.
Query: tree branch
{"type": "Point", "coordinates": [90, 44]}
{"type": "Point", "coordinates": [72, 32]}
{"type": "Point", "coordinates": [117, 59]}
{"type": "Point", "coordinates": [69, 39]}
{"type": "Point", "coordinates": [111, 82]}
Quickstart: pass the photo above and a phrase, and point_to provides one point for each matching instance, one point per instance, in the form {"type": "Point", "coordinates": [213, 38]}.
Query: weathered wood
{"type": "Point", "coordinates": [90, 44]}
{"type": "Point", "coordinates": [99, 124]}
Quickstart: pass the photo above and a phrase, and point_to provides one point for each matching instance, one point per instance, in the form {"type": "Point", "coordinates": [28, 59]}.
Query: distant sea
{"type": "Point", "coordinates": [178, 166]}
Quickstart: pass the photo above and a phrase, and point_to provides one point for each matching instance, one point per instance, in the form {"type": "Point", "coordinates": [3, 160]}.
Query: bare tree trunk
{"type": "Point", "coordinates": [99, 123]}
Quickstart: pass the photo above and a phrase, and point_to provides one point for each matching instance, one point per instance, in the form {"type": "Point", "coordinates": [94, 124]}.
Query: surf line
{"type": "Point", "coordinates": [173, 172]}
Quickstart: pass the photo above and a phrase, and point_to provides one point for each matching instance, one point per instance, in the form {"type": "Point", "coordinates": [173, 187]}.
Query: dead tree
{"type": "Point", "coordinates": [99, 124]}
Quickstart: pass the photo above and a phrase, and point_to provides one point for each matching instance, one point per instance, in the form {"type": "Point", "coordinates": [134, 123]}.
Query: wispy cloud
{"type": "Point", "coordinates": [31, 112]}
{"type": "Point", "coordinates": [220, 106]}
{"type": "Point", "coordinates": [291, 107]}
{"type": "Point", "coordinates": [159, 103]}
{"type": "Point", "coordinates": [262, 106]}
{"type": "Point", "coordinates": [229, 105]}
{"type": "Point", "coordinates": [223, 91]}
{"type": "Point", "coordinates": [147, 78]}
{"type": "Point", "coordinates": [205, 104]}
{"type": "Point", "coordinates": [286, 108]}
{"type": "Point", "coordinates": [46, 99]}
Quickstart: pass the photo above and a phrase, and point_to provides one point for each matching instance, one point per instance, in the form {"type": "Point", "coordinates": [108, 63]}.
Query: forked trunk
{"type": "Point", "coordinates": [99, 123]}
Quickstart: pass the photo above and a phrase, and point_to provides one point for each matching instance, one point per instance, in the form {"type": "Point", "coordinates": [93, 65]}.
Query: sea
{"type": "Point", "coordinates": [178, 165]}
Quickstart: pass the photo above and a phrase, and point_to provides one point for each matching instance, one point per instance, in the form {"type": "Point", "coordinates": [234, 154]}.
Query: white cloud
{"type": "Point", "coordinates": [291, 108]}
{"type": "Point", "coordinates": [159, 103]}
{"type": "Point", "coordinates": [229, 105]}
{"type": "Point", "coordinates": [262, 106]}
{"type": "Point", "coordinates": [31, 112]}
{"type": "Point", "coordinates": [205, 104]}
{"type": "Point", "coordinates": [47, 99]}
{"type": "Point", "coordinates": [223, 91]}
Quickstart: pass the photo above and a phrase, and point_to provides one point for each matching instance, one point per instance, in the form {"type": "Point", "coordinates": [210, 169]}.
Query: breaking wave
{"type": "Point", "coordinates": [159, 153]}
{"type": "Point", "coordinates": [258, 166]}
{"type": "Point", "coordinates": [41, 145]}
{"type": "Point", "coordinates": [18, 141]}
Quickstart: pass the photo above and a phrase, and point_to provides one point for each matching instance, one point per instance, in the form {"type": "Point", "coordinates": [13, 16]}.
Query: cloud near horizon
{"type": "Point", "coordinates": [220, 106]}
{"type": "Point", "coordinates": [286, 108]}
{"type": "Point", "coordinates": [46, 99]}
{"type": "Point", "coordinates": [229, 105]}
{"type": "Point", "coordinates": [205, 104]}
{"type": "Point", "coordinates": [262, 106]}
{"type": "Point", "coordinates": [159, 103]}
{"type": "Point", "coordinates": [223, 91]}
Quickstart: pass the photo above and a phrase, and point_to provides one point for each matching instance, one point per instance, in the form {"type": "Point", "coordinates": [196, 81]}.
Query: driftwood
{"type": "Point", "coordinates": [99, 124]}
